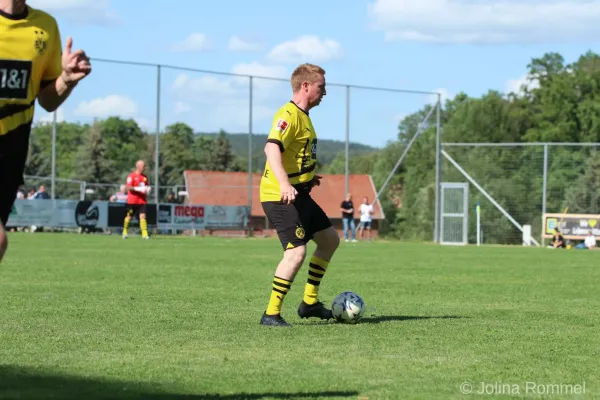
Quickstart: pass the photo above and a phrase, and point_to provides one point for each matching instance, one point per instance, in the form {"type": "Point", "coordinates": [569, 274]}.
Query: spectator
{"type": "Point", "coordinates": [347, 209]}
{"type": "Point", "coordinates": [589, 243]}
{"type": "Point", "coordinates": [557, 241]}
{"type": "Point", "coordinates": [41, 194]}
{"type": "Point", "coordinates": [120, 196]}
{"type": "Point", "coordinates": [365, 210]}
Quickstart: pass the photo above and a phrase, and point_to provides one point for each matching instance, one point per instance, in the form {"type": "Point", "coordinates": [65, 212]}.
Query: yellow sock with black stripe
{"type": "Point", "coordinates": [144, 227]}
{"type": "Point", "coordinates": [316, 269]}
{"type": "Point", "coordinates": [126, 224]}
{"type": "Point", "coordinates": [280, 289]}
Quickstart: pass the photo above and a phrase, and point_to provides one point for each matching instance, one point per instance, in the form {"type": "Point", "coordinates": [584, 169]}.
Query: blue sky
{"type": "Point", "coordinates": [444, 46]}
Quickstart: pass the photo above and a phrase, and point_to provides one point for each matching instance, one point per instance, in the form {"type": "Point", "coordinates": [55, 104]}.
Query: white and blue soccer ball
{"type": "Point", "coordinates": [348, 308]}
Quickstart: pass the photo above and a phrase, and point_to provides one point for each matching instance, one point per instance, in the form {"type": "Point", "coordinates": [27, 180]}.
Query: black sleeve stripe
{"type": "Point", "coordinates": [277, 142]}
{"type": "Point", "coordinates": [43, 84]}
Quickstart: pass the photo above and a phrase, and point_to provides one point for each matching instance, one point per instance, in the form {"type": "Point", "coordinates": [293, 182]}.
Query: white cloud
{"type": "Point", "coordinates": [236, 43]}
{"type": "Point", "coordinates": [145, 124]}
{"type": "Point", "coordinates": [490, 21]}
{"type": "Point", "coordinates": [307, 48]}
{"type": "Point", "coordinates": [260, 87]}
{"type": "Point", "coordinates": [112, 105]}
{"type": "Point", "coordinates": [202, 89]}
{"type": "Point", "coordinates": [516, 86]}
{"type": "Point", "coordinates": [258, 69]}
{"type": "Point", "coordinates": [182, 107]}
{"type": "Point", "coordinates": [42, 116]}
{"type": "Point", "coordinates": [80, 12]}
{"type": "Point", "coordinates": [223, 102]}
{"type": "Point", "coordinates": [194, 42]}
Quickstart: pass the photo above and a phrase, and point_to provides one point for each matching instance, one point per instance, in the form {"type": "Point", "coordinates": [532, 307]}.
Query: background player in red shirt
{"type": "Point", "coordinates": [137, 188]}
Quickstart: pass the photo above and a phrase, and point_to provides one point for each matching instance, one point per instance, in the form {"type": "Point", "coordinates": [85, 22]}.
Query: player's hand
{"type": "Point", "coordinates": [288, 193]}
{"type": "Point", "coordinates": [75, 64]}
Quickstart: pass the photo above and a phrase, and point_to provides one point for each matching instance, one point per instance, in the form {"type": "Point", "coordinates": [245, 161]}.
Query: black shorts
{"type": "Point", "coordinates": [296, 223]}
{"type": "Point", "coordinates": [133, 209]}
{"type": "Point", "coordinates": [13, 156]}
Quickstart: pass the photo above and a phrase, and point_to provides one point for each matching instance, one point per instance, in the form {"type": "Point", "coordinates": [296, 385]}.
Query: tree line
{"type": "Point", "coordinates": [561, 105]}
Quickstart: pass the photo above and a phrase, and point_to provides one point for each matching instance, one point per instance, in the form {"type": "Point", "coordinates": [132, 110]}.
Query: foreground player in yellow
{"type": "Point", "coordinates": [32, 66]}
{"type": "Point", "coordinates": [285, 187]}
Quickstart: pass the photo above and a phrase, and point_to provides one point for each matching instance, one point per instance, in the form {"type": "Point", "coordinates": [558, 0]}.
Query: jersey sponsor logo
{"type": "Point", "coordinates": [282, 125]}
{"type": "Point", "coordinates": [14, 78]}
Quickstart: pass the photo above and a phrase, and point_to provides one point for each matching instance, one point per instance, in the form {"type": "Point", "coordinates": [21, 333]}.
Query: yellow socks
{"type": "Point", "coordinates": [280, 289]}
{"type": "Point", "coordinates": [316, 269]}
{"type": "Point", "coordinates": [144, 227]}
{"type": "Point", "coordinates": [126, 224]}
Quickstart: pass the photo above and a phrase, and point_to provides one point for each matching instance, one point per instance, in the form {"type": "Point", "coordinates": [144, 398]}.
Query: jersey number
{"type": "Point", "coordinates": [14, 79]}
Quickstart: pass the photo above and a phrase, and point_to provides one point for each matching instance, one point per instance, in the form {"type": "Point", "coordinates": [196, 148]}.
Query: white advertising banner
{"type": "Point", "coordinates": [102, 214]}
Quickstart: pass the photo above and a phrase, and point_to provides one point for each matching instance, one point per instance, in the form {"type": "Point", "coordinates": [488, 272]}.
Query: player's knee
{"type": "Point", "coordinates": [295, 257]}
{"type": "Point", "coordinates": [327, 240]}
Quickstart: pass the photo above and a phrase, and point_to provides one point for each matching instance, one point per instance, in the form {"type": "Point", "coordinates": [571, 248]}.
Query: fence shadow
{"type": "Point", "coordinates": [18, 382]}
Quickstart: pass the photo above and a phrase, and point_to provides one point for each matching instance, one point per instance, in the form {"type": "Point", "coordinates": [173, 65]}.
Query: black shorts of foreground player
{"type": "Point", "coordinates": [285, 187]}
{"type": "Point", "coordinates": [33, 66]}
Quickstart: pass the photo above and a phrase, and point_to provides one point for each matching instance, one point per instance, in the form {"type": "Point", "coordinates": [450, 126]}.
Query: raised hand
{"type": "Point", "coordinates": [76, 64]}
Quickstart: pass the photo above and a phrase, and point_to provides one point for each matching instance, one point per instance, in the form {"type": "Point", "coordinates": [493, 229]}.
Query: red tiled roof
{"type": "Point", "coordinates": [231, 189]}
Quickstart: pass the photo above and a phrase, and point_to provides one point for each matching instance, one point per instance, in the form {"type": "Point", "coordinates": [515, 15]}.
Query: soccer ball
{"type": "Point", "coordinates": [348, 308]}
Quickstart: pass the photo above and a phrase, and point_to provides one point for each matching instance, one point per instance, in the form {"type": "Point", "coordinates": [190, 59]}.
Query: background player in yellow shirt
{"type": "Point", "coordinates": [32, 66]}
{"type": "Point", "coordinates": [285, 187]}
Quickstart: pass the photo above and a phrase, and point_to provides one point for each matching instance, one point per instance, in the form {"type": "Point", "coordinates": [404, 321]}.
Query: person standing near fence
{"type": "Point", "coordinates": [33, 66]}
{"type": "Point", "coordinates": [137, 188]}
{"type": "Point", "coordinates": [366, 218]}
{"type": "Point", "coordinates": [347, 209]}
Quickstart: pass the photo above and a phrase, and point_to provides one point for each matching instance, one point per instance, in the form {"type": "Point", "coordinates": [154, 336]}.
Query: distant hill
{"type": "Point", "coordinates": [327, 149]}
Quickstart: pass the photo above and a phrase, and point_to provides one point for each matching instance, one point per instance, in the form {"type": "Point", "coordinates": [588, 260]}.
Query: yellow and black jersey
{"type": "Point", "coordinates": [30, 58]}
{"type": "Point", "coordinates": [293, 131]}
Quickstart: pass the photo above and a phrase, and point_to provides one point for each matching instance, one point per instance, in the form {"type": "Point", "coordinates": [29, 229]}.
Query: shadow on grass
{"type": "Point", "coordinates": [386, 318]}
{"type": "Point", "coordinates": [24, 383]}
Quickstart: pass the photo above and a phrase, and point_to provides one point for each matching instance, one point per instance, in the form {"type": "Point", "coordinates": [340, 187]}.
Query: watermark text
{"type": "Point", "coordinates": [527, 388]}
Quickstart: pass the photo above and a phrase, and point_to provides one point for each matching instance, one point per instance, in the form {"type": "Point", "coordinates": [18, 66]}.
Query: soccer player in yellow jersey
{"type": "Point", "coordinates": [285, 187]}
{"type": "Point", "coordinates": [32, 66]}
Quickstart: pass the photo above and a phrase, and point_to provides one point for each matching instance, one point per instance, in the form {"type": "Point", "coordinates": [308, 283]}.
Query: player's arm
{"type": "Point", "coordinates": [273, 153]}
{"type": "Point", "coordinates": [130, 186]}
{"type": "Point", "coordinates": [64, 71]}
{"type": "Point", "coordinates": [280, 137]}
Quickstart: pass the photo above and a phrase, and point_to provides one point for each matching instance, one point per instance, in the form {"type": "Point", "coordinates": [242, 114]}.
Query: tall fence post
{"type": "Point", "coordinates": [250, 157]}
{"type": "Point", "coordinates": [438, 172]}
{"type": "Point", "coordinates": [347, 149]}
{"type": "Point", "coordinates": [157, 143]}
{"type": "Point", "coordinates": [544, 192]}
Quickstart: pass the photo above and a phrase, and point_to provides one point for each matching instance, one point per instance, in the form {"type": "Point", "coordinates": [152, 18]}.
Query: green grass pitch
{"type": "Point", "coordinates": [98, 317]}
